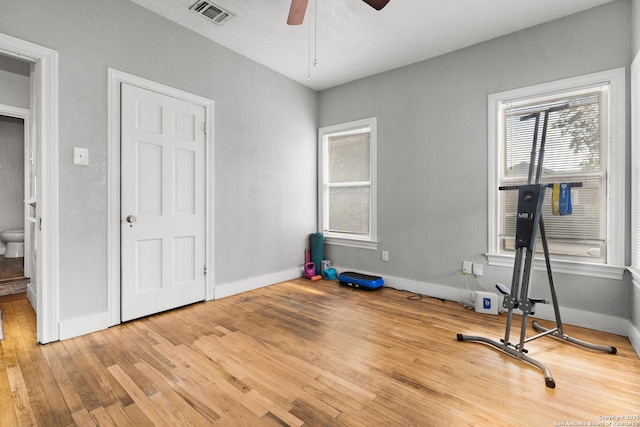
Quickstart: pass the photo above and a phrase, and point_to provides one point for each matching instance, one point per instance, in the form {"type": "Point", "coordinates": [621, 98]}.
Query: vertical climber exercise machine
{"type": "Point", "coordinates": [530, 199]}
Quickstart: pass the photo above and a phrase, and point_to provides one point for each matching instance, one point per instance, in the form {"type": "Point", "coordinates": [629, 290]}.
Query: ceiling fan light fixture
{"type": "Point", "coordinates": [299, 8]}
{"type": "Point", "coordinates": [377, 4]}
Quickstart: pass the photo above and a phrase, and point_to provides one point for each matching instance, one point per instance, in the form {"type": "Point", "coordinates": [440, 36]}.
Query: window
{"type": "Point", "coordinates": [635, 167]}
{"type": "Point", "coordinates": [347, 183]}
{"type": "Point", "coordinates": [584, 144]}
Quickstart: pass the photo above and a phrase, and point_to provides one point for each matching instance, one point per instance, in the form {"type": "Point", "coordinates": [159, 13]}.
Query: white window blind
{"type": "Point", "coordinates": [635, 167]}
{"type": "Point", "coordinates": [349, 183]}
{"type": "Point", "coordinates": [575, 150]}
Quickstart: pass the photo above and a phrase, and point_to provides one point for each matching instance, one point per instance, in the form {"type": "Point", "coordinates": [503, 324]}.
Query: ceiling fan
{"type": "Point", "coordinates": [299, 8]}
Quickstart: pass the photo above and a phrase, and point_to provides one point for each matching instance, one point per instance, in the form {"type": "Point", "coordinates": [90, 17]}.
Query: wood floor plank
{"type": "Point", "coordinates": [137, 416]}
{"type": "Point", "coordinates": [303, 353]}
{"type": "Point", "coordinates": [155, 415]}
{"type": "Point", "coordinates": [178, 411]}
{"type": "Point", "coordinates": [7, 410]}
{"type": "Point", "coordinates": [21, 399]}
{"type": "Point", "coordinates": [83, 418]}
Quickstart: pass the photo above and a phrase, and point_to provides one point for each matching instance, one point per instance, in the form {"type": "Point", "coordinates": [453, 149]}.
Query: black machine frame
{"type": "Point", "coordinates": [529, 221]}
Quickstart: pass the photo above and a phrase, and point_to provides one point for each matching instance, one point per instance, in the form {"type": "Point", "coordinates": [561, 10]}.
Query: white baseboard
{"type": "Point", "coordinates": [83, 325]}
{"type": "Point", "coordinates": [75, 327]}
{"type": "Point", "coordinates": [244, 285]}
{"type": "Point", "coordinates": [32, 297]}
{"type": "Point", "coordinates": [96, 322]}
{"type": "Point", "coordinates": [600, 322]}
{"type": "Point", "coordinates": [634, 337]}
{"type": "Point", "coordinates": [422, 288]}
{"type": "Point", "coordinates": [585, 319]}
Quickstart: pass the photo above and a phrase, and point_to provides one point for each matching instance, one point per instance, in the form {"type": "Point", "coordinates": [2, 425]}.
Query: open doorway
{"type": "Point", "coordinates": [40, 116]}
{"type": "Point", "coordinates": [17, 174]}
{"type": "Point", "coordinates": [17, 211]}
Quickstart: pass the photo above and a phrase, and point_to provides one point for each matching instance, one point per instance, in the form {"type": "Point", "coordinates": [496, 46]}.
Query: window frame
{"type": "Point", "coordinates": [634, 268]}
{"type": "Point", "coordinates": [369, 241]}
{"type": "Point", "coordinates": [613, 267]}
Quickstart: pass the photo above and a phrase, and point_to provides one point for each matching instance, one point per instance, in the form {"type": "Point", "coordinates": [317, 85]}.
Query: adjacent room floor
{"type": "Point", "coordinates": [12, 278]}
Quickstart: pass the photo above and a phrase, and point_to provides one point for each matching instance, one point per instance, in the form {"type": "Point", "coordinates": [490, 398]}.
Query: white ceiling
{"type": "Point", "coordinates": [351, 40]}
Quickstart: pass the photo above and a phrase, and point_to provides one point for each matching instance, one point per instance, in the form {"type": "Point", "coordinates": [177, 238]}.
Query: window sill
{"type": "Point", "coordinates": [352, 243]}
{"type": "Point", "coordinates": [602, 271]}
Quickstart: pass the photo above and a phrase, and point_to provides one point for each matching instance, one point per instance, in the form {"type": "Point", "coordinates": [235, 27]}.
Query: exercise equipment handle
{"type": "Point", "coordinates": [515, 187]}
{"type": "Point", "coordinates": [549, 110]}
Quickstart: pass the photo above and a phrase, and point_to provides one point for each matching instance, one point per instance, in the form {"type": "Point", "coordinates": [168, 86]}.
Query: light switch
{"type": "Point", "coordinates": [80, 156]}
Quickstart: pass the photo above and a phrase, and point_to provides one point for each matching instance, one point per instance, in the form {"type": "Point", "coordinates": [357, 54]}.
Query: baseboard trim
{"type": "Point", "coordinates": [32, 297]}
{"type": "Point", "coordinates": [244, 285]}
{"type": "Point", "coordinates": [634, 337]}
{"type": "Point", "coordinates": [425, 288]}
{"type": "Point", "coordinates": [83, 325]}
{"type": "Point", "coordinates": [86, 324]}
{"type": "Point", "coordinates": [600, 322]}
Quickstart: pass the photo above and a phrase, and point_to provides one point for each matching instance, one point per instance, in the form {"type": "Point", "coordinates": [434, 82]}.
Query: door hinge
{"type": "Point", "coordinates": [205, 270]}
{"type": "Point", "coordinates": [205, 128]}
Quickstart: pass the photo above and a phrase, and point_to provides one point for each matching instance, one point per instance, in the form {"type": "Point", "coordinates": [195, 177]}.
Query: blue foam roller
{"type": "Point", "coordinates": [329, 274]}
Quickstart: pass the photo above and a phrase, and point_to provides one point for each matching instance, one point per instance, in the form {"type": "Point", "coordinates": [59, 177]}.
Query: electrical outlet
{"type": "Point", "coordinates": [467, 267]}
{"type": "Point", "coordinates": [80, 156]}
{"type": "Point", "coordinates": [385, 255]}
{"type": "Point", "coordinates": [477, 269]}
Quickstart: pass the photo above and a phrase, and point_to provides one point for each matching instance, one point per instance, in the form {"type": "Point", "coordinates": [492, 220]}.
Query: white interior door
{"type": "Point", "coordinates": [162, 202]}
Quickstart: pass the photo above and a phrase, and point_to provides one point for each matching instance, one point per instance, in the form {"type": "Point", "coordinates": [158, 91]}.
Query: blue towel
{"type": "Point", "coordinates": [561, 199]}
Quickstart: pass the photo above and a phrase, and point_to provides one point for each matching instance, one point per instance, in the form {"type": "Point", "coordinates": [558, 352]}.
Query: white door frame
{"type": "Point", "coordinates": [115, 78]}
{"type": "Point", "coordinates": [44, 98]}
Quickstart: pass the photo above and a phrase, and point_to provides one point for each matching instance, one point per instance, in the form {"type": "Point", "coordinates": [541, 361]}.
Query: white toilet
{"type": "Point", "coordinates": [15, 243]}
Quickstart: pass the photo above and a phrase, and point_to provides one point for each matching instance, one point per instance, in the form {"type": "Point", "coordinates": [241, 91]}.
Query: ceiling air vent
{"type": "Point", "coordinates": [212, 11]}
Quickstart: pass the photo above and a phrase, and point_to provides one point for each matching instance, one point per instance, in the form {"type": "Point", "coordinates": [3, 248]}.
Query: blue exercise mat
{"type": "Point", "coordinates": [317, 250]}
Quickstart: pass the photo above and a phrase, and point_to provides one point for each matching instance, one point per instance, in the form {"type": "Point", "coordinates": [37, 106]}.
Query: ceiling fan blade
{"type": "Point", "coordinates": [297, 11]}
{"type": "Point", "coordinates": [376, 4]}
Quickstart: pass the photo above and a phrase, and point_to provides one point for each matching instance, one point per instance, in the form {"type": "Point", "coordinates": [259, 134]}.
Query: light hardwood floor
{"type": "Point", "coordinates": [308, 353]}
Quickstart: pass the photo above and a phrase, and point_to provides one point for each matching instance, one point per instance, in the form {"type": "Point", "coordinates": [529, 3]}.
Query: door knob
{"type": "Point", "coordinates": [131, 219]}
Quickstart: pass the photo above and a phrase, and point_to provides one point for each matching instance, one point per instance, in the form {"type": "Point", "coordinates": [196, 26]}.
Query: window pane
{"type": "Point", "coordinates": [574, 151]}
{"type": "Point", "coordinates": [349, 209]}
{"type": "Point", "coordinates": [349, 158]}
{"type": "Point", "coordinates": [573, 140]}
{"type": "Point", "coordinates": [583, 224]}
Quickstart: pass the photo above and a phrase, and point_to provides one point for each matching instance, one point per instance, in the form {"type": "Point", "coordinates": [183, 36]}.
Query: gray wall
{"type": "Point", "coordinates": [11, 175]}
{"type": "Point", "coordinates": [14, 91]}
{"type": "Point", "coordinates": [14, 82]}
{"type": "Point", "coordinates": [265, 132]}
{"type": "Point", "coordinates": [432, 149]}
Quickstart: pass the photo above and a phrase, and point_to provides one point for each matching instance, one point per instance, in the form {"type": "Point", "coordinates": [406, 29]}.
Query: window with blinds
{"type": "Point", "coordinates": [635, 168]}
{"type": "Point", "coordinates": [575, 151]}
{"type": "Point", "coordinates": [347, 180]}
